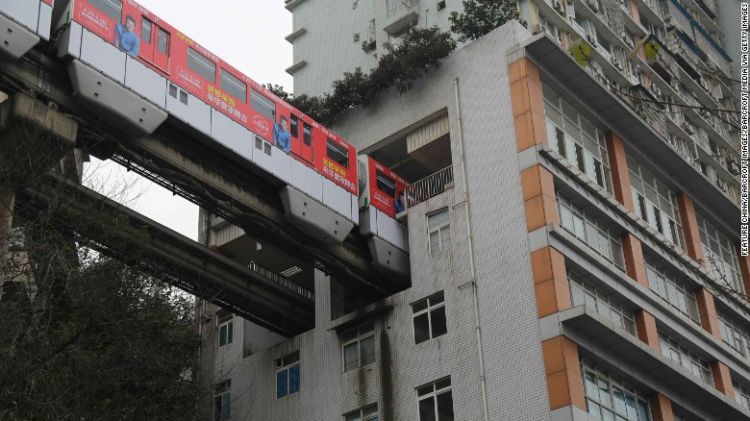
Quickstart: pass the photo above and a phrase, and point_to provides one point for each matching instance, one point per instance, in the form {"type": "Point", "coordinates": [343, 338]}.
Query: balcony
{"type": "Point", "coordinates": [429, 187]}
{"type": "Point", "coordinates": [400, 15]}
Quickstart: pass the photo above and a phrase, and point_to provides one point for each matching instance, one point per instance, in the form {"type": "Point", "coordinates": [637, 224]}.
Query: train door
{"type": "Point", "coordinates": [155, 44]}
{"type": "Point", "coordinates": [306, 141]}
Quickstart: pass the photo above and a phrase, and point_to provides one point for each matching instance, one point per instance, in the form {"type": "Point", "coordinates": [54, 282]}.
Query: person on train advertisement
{"type": "Point", "coordinates": [281, 135]}
{"type": "Point", "coordinates": [126, 39]}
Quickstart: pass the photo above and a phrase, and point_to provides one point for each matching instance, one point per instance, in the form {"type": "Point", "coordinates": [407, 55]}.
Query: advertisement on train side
{"type": "Point", "coordinates": [387, 190]}
{"type": "Point", "coordinates": [142, 35]}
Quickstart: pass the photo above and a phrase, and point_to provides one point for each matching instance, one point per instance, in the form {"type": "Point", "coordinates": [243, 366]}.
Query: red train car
{"type": "Point", "coordinates": [386, 189]}
{"type": "Point", "coordinates": [185, 63]}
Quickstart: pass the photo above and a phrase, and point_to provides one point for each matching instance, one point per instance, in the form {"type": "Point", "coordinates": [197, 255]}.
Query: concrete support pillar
{"type": "Point", "coordinates": [646, 325]}
{"type": "Point", "coordinates": [689, 219]}
{"type": "Point", "coordinates": [635, 265]}
{"type": "Point", "coordinates": [620, 176]}
{"type": "Point", "coordinates": [661, 408]}
{"type": "Point", "coordinates": [707, 310]}
{"type": "Point", "coordinates": [563, 370]}
{"type": "Point", "coordinates": [722, 379]}
{"type": "Point", "coordinates": [550, 281]}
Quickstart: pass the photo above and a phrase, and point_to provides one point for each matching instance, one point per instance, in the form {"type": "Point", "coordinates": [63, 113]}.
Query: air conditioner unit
{"type": "Point", "coordinates": [559, 7]}
{"type": "Point", "coordinates": [570, 9]}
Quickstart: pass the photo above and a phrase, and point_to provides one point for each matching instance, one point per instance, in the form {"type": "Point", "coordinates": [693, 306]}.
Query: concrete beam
{"type": "Point", "coordinates": [134, 239]}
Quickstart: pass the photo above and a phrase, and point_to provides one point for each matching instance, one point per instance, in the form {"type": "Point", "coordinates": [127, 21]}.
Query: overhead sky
{"type": "Point", "coordinates": [249, 35]}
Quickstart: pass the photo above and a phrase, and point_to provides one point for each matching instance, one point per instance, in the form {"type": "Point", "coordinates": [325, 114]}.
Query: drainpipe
{"type": "Point", "coordinates": [472, 267]}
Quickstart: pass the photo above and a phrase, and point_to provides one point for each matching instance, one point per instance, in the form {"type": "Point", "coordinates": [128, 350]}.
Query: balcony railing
{"type": "Point", "coordinates": [280, 280]}
{"type": "Point", "coordinates": [429, 186]}
{"type": "Point", "coordinates": [396, 7]}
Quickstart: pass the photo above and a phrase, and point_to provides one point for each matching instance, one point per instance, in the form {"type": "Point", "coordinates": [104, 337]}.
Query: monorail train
{"type": "Point", "coordinates": [22, 24]}
{"type": "Point", "coordinates": [136, 70]}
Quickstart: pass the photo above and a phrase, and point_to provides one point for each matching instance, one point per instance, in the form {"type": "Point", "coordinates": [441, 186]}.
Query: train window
{"type": "Point", "coordinates": [263, 105]}
{"type": "Point", "coordinates": [146, 26]}
{"type": "Point", "coordinates": [337, 153]}
{"type": "Point", "coordinates": [385, 184]}
{"type": "Point", "coordinates": [198, 63]}
{"type": "Point", "coordinates": [233, 85]}
{"type": "Point", "coordinates": [162, 42]}
{"type": "Point", "coordinates": [294, 125]}
{"type": "Point", "coordinates": [111, 8]}
{"type": "Point", "coordinates": [306, 133]}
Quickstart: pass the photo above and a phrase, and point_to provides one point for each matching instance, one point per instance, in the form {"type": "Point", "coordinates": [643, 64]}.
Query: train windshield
{"type": "Point", "coordinates": [385, 184]}
{"type": "Point", "coordinates": [337, 153]}
{"type": "Point", "coordinates": [112, 8]}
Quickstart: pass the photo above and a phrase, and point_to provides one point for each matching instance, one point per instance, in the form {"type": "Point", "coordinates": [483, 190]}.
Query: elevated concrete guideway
{"type": "Point", "coordinates": [193, 166]}
{"type": "Point", "coordinates": [131, 237]}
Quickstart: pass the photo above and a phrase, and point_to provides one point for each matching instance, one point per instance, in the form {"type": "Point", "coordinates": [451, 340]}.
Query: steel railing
{"type": "Point", "coordinates": [430, 186]}
{"type": "Point", "coordinates": [278, 279]}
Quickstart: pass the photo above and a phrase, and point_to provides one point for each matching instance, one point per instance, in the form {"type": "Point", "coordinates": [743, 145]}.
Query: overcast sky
{"type": "Point", "coordinates": [249, 35]}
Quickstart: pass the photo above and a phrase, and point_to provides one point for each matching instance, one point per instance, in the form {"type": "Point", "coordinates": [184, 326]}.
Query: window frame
{"type": "Point", "coordinates": [222, 323]}
{"type": "Point", "coordinates": [603, 302]}
{"type": "Point", "coordinates": [439, 388]}
{"type": "Point", "coordinates": [97, 4]}
{"type": "Point", "coordinates": [225, 76]}
{"type": "Point", "coordinates": [198, 58]}
{"type": "Point", "coordinates": [440, 229]}
{"type": "Point", "coordinates": [361, 333]}
{"type": "Point", "coordinates": [364, 414]}
{"type": "Point", "coordinates": [341, 152]}
{"type": "Point", "coordinates": [257, 97]}
{"type": "Point", "coordinates": [629, 394]}
{"type": "Point", "coordinates": [286, 364]}
{"type": "Point", "coordinates": [433, 303]}
{"type": "Point", "coordinates": [223, 396]}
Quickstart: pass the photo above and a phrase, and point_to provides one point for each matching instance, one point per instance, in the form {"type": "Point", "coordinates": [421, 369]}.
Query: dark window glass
{"type": "Point", "coordinates": [337, 153]}
{"type": "Point", "coordinates": [427, 409]}
{"type": "Point", "coordinates": [162, 42]}
{"type": "Point", "coordinates": [111, 8]}
{"type": "Point", "coordinates": [445, 406]}
{"type": "Point", "coordinates": [282, 388]}
{"type": "Point", "coordinates": [579, 158]}
{"type": "Point", "coordinates": [146, 30]}
{"type": "Point", "coordinates": [200, 64]}
{"type": "Point", "coordinates": [385, 184]}
{"type": "Point", "coordinates": [421, 328]}
{"type": "Point", "coordinates": [294, 379]}
{"type": "Point", "coordinates": [439, 326]}
{"type": "Point", "coordinates": [294, 125]}
{"type": "Point", "coordinates": [262, 105]}
{"type": "Point", "coordinates": [233, 85]}
{"type": "Point", "coordinates": [307, 133]}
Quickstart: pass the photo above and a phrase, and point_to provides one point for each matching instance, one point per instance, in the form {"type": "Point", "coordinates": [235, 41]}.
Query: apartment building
{"type": "Point", "coordinates": [571, 226]}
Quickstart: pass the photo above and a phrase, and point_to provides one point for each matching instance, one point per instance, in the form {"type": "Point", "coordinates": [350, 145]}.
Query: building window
{"type": "Point", "coordinates": [439, 231]}
{"type": "Point", "coordinates": [436, 401]}
{"type": "Point", "coordinates": [287, 375]}
{"type": "Point", "coordinates": [672, 290]}
{"type": "Point", "coordinates": [741, 394]}
{"type": "Point", "coordinates": [584, 293]}
{"type": "Point", "coordinates": [226, 328]}
{"type": "Point", "coordinates": [602, 239]}
{"type": "Point", "coordinates": [691, 362]}
{"type": "Point", "coordinates": [429, 318]}
{"type": "Point", "coordinates": [607, 398]}
{"type": "Point", "coordinates": [721, 256]}
{"type": "Point", "coordinates": [576, 138]}
{"type": "Point", "coordinates": [734, 336]}
{"type": "Point", "coordinates": [368, 413]}
{"type": "Point", "coordinates": [222, 400]}
{"type": "Point", "coordinates": [359, 346]}
{"type": "Point", "coordinates": [655, 203]}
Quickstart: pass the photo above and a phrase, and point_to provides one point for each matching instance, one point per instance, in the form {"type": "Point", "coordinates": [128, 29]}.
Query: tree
{"type": "Point", "coordinates": [480, 17]}
{"type": "Point", "coordinates": [83, 336]}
